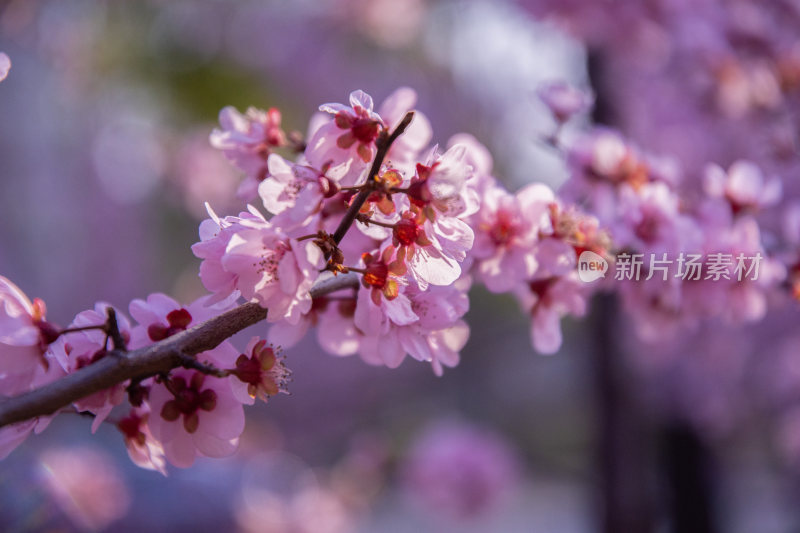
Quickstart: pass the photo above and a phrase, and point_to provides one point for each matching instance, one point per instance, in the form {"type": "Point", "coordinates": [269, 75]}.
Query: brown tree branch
{"type": "Point", "coordinates": [383, 143]}
{"type": "Point", "coordinates": [120, 366]}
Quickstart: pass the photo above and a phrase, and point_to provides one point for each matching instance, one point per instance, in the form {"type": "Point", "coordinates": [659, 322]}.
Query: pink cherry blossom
{"type": "Point", "coordinates": [259, 373]}
{"type": "Point", "coordinates": [298, 188]}
{"type": "Point", "coordinates": [193, 414]}
{"type": "Point", "coordinates": [160, 317]}
{"type": "Point", "coordinates": [144, 450]}
{"type": "Point", "coordinates": [254, 257]}
{"type": "Point", "coordinates": [508, 228]}
{"type": "Point", "coordinates": [273, 270]}
{"type": "Point", "coordinates": [426, 325]}
{"type": "Point", "coordinates": [215, 233]}
{"type": "Point", "coordinates": [651, 221]}
{"type": "Point", "coordinates": [440, 183]}
{"type": "Point", "coordinates": [24, 336]}
{"type": "Point", "coordinates": [548, 300]}
{"type": "Point", "coordinates": [76, 350]}
{"type": "Point", "coordinates": [349, 138]}
{"type": "Point", "coordinates": [247, 140]}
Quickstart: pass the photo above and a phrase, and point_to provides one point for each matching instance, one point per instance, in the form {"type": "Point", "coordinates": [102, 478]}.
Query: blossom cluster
{"type": "Point", "coordinates": [177, 417]}
{"type": "Point", "coordinates": [433, 220]}
{"type": "Point", "coordinates": [374, 236]}
{"type": "Point", "coordinates": [642, 201]}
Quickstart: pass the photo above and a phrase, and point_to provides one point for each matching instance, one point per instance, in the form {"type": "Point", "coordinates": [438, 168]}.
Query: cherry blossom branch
{"type": "Point", "coordinates": [120, 366]}
{"type": "Point", "coordinates": [383, 143]}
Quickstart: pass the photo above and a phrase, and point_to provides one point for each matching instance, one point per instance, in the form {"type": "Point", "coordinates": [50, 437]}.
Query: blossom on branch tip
{"type": "Point", "coordinates": [348, 139]}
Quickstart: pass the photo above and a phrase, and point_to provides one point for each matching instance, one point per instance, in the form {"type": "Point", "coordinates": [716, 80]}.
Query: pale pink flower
{"type": "Point", "coordinates": [194, 414]}
{"type": "Point", "coordinates": [349, 138]}
{"type": "Point", "coordinates": [440, 183]}
{"type": "Point", "coordinates": [744, 186]}
{"type": "Point", "coordinates": [459, 469]}
{"type": "Point", "coordinates": [564, 100]}
{"type": "Point", "coordinates": [548, 300]}
{"type": "Point", "coordinates": [303, 507]}
{"type": "Point", "coordinates": [24, 336]}
{"type": "Point", "coordinates": [508, 228]}
{"type": "Point", "coordinates": [87, 486]}
{"type": "Point", "coordinates": [5, 66]}
{"type": "Point", "coordinates": [247, 140]}
{"type": "Point", "coordinates": [255, 258]}
{"type": "Point", "coordinates": [273, 270]}
{"type": "Point", "coordinates": [298, 188]}
{"type": "Point", "coordinates": [426, 325]}
{"type": "Point", "coordinates": [144, 450]}
{"type": "Point", "coordinates": [215, 233]}
{"type": "Point", "coordinates": [430, 251]}
{"type": "Point", "coordinates": [76, 350]}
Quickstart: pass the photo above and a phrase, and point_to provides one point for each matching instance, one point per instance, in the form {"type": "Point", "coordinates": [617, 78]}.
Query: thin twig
{"type": "Point", "coordinates": [383, 143]}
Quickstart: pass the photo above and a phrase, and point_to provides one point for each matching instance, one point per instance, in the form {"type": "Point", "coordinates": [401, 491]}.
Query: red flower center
{"type": "Point", "coordinates": [178, 321]}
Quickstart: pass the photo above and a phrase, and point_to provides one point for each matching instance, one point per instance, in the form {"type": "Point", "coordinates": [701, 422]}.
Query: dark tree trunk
{"type": "Point", "coordinates": [625, 493]}
{"type": "Point", "coordinates": [689, 476]}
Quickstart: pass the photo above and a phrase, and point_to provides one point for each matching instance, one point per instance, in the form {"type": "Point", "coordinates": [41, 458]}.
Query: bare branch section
{"type": "Point", "coordinates": [163, 356]}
